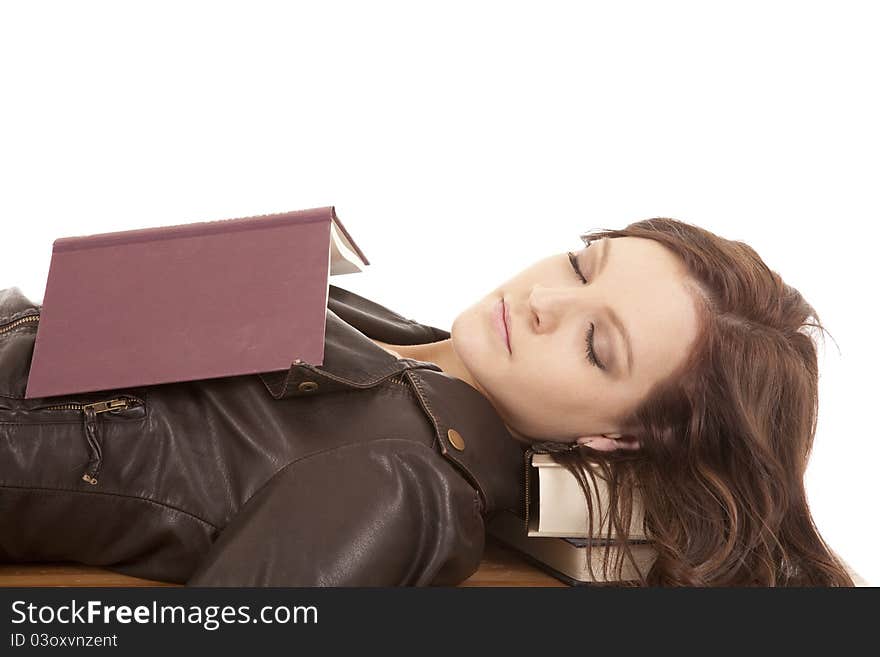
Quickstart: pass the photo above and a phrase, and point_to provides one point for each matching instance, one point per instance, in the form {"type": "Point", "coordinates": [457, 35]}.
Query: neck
{"type": "Point", "coordinates": [441, 353]}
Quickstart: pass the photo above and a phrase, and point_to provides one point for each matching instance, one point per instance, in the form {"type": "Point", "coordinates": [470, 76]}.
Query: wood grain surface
{"type": "Point", "coordinates": [500, 567]}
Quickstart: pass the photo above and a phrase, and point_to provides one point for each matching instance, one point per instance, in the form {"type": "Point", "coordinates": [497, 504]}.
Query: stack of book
{"type": "Point", "coordinates": [551, 530]}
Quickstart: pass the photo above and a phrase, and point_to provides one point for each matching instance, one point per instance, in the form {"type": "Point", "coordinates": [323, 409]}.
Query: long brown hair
{"type": "Point", "coordinates": [726, 439]}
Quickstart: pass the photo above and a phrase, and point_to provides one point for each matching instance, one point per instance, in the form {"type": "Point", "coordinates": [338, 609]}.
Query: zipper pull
{"type": "Point", "coordinates": [91, 429]}
{"type": "Point", "coordinates": [102, 406]}
{"type": "Point", "coordinates": [92, 433]}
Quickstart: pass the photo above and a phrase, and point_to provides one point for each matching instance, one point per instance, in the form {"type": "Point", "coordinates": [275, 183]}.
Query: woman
{"type": "Point", "coordinates": [665, 356]}
{"type": "Point", "coordinates": [675, 363]}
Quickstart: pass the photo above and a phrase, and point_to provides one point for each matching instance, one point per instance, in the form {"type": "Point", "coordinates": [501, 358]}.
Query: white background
{"type": "Point", "coordinates": [462, 141]}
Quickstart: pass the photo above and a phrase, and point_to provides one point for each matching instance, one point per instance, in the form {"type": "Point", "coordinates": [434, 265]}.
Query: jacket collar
{"type": "Point", "coordinates": [469, 431]}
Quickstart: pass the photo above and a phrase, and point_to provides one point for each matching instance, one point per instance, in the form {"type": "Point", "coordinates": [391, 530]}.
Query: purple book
{"type": "Point", "coordinates": [186, 302]}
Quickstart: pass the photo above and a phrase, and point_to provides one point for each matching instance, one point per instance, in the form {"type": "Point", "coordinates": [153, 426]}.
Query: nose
{"type": "Point", "coordinates": [548, 305]}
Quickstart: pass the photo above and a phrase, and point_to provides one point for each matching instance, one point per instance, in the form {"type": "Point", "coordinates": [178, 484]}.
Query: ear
{"type": "Point", "coordinates": [609, 442]}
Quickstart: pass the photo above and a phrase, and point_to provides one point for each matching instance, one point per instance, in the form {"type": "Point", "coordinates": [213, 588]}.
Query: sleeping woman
{"type": "Point", "coordinates": [661, 357]}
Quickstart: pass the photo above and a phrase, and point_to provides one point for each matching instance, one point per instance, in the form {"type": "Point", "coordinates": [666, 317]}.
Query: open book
{"type": "Point", "coordinates": [188, 301]}
{"type": "Point", "coordinates": [551, 531]}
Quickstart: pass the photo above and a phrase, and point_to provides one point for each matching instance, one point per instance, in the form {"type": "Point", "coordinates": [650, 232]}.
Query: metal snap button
{"type": "Point", "coordinates": [456, 439]}
{"type": "Point", "coordinates": [307, 386]}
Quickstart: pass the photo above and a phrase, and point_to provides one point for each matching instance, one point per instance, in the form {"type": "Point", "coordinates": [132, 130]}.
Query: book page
{"type": "Point", "coordinates": [343, 259]}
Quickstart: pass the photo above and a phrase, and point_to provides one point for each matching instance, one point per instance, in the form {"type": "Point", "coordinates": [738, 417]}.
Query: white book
{"type": "Point", "coordinates": [556, 506]}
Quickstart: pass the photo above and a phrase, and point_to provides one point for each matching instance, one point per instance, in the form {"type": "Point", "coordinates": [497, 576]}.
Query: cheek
{"type": "Point", "coordinates": [547, 384]}
{"type": "Point", "coordinates": [574, 388]}
{"type": "Point", "coordinates": [563, 366]}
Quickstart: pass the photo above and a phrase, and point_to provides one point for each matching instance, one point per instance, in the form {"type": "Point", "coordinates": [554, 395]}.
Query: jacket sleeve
{"type": "Point", "coordinates": [388, 512]}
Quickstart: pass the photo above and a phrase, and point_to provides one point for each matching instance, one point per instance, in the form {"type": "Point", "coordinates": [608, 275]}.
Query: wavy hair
{"type": "Point", "coordinates": [726, 439]}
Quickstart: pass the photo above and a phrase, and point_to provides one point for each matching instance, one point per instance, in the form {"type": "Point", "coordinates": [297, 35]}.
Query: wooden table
{"type": "Point", "coordinates": [500, 567]}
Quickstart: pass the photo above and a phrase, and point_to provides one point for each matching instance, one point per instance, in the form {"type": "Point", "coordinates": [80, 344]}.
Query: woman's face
{"type": "Point", "coordinates": [546, 387]}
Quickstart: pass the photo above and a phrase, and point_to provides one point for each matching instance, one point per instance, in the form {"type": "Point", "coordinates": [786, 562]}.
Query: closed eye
{"type": "Point", "coordinates": [572, 258]}
{"type": "Point", "coordinates": [591, 351]}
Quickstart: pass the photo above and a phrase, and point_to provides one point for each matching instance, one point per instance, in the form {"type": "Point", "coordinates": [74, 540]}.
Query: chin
{"type": "Point", "coordinates": [518, 436]}
{"type": "Point", "coordinates": [465, 335]}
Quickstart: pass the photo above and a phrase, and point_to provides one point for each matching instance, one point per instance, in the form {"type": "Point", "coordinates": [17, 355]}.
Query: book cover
{"type": "Point", "coordinates": [567, 558]}
{"type": "Point", "coordinates": [187, 302]}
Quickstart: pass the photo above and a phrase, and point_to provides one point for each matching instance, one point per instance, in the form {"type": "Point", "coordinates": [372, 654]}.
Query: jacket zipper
{"type": "Point", "coordinates": [18, 322]}
{"type": "Point", "coordinates": [528, 460]}
{"type": "Point", "coordinates": [90, 412]}
{"type": "Point", "coordinates": [91, 428]}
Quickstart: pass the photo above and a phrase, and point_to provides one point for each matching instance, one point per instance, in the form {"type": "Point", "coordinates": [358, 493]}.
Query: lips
{"type": "Point", "coordinates": [499, 324]}
{"type": "Point", "coordinates": [505, 315]}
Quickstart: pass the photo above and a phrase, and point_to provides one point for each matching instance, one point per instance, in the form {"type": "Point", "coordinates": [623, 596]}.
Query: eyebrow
{"type": "Point", "coordinates": [615, 320]}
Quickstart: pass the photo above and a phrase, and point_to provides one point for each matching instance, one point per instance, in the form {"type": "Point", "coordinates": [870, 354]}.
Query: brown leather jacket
{"type": "Point", "coordinates": [368, 470]}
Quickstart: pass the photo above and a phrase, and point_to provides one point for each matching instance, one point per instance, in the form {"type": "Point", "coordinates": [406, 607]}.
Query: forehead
{"type": "Point", "coordinates": [647, 284]}
{"type": "Point", "coordinates": [642, 254]}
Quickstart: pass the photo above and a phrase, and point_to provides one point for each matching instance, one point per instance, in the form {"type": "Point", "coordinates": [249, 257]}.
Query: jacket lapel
{"type": "Point", "coordinates": [472, 435]}
{"type": "Point", "coordinates": [469, 431]}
